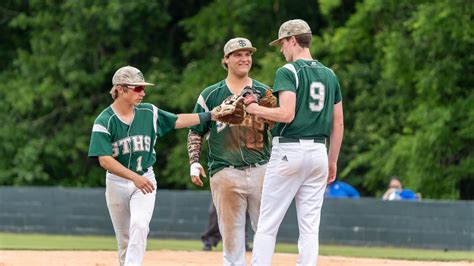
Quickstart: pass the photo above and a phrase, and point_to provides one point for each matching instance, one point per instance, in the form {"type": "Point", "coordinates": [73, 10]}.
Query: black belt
{"type": "Point", "coordinates": [293, 140]}
{"type": "Point", "coordinates": [243, 167]}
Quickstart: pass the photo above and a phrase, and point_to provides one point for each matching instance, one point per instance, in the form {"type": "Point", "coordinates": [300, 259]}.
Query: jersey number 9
{"type": "Point", "coordinates": [317, 91]}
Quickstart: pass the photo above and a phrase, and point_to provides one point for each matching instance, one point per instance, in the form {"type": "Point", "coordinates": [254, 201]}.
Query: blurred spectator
{"type": "Point", "coordinates": [395, 191]}
{"type": "Point", "coordinates": [339, 189]}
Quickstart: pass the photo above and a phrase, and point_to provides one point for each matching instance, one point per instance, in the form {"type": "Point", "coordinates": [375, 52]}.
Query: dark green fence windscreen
{"type": "Point", "coordinates": [183, 215]}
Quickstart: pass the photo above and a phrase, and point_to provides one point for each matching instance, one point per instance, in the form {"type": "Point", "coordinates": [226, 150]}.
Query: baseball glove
{"type": "Point", "coordinates": [251, 95]}
{"type": "Point", "coordinates": [230, 111]}
{"type": "Point", "coordinates": [270, 101]}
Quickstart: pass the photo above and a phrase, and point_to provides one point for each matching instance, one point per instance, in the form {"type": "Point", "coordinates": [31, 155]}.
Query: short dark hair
{"type": "Point", "coordinates": [304, 40]}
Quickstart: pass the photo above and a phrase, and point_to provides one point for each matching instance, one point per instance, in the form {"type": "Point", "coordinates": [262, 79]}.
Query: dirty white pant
{"type": "Point", "coordinates": [131, 212]}
{"type": "Point", "coordinates": [295, 170]}
{"type": "Point", "coordinates": [233, 192]}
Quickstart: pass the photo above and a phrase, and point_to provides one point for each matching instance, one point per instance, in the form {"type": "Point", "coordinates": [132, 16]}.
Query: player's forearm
{"type": "Point", "coordinates": [285, 113]}
{"type": "Point", "coordinates": [335, 144]}
{"type": "Point", "coordinates": [194, 146]}
{"type": "Point", "coordinates": [116, 168]}
{"type": "Point", "coordinates": [188, 120]}
{"type": "Point", "coordinates": [277, 114]}
{"type": "Point", "coordinates": [336, 133]}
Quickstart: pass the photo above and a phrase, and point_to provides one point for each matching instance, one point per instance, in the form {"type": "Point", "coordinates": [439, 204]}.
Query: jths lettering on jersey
{"type": "Point", "coordinates": [135, 143]}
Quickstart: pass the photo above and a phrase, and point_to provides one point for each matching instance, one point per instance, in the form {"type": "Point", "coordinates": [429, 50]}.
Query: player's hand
{"type": "Point", "coordinates": [250, 95]}
{"type": "Point", "coordinates": [213, 117]}
{"type": "Point", "coordinates": [251, 108]}
{"type": "Point", "coordinates": [332, 172]}
{"type": "Point", "coordinates": [251, 98]}
{"type": "Point", "coordinates": [144, 184]}
{"type": "Point", "coordinates": [196, 170]}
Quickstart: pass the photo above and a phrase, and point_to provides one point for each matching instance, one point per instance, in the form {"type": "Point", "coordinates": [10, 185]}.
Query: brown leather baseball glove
{"type": "Point", "coordinates": [270, 101]}
{"type": "Point", "coordinates": [230, 111]}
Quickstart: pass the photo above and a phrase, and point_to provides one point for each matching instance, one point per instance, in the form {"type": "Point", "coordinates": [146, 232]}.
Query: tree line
{"type": "Point", "coordinates": [405, 69]}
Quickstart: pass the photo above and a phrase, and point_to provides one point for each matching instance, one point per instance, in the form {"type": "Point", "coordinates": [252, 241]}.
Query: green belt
{"type": "Point", "coordinates": [292, 140]}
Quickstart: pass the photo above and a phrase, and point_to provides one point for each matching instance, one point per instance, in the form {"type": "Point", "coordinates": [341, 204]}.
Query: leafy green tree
{"type": "Point", "coordinates": [61, 77]}
{"type": "Point", "coordinates": [404, 68]}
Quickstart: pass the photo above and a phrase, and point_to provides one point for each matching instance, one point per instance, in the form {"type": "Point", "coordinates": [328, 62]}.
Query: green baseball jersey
{"type": "Point", "coordinates": [317, 90]}
{"type": "Point", "coordinates": [232, 145]}
{"type": "Point", "coordinates": [131, 144]}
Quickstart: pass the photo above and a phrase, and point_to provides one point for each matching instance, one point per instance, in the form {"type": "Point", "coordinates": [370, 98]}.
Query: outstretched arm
{"type": "Point", "coordinates": [335, 140]}
{"type": "Point", "coordinates": [194, 150]}
{"type": "Point", "coordinates": [188, 120]}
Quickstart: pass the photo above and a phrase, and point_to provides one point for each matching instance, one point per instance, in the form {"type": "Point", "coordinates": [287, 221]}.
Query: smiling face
{"type": "Point", "coordinates": [239, 62]}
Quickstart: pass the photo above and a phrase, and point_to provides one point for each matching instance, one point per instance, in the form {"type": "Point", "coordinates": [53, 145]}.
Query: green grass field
{"type": "Point", "coordinates": [61, 242]}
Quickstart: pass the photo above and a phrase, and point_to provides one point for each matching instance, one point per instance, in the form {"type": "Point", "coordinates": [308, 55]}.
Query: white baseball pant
{"type": "Point", "coordinates": [131, 212]}
{"type": "Point", "coordinates": [296, 170]}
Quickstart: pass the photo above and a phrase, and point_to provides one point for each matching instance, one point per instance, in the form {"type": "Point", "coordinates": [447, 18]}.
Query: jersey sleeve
{"type": "Point", "coordinates": [166, 122]}
{"type": "Point", "coordinates": [285, 79]}
{"type": "Point", "coordinates": [200, 107]}
{"type": "Point", "coordinates": [100, 144]}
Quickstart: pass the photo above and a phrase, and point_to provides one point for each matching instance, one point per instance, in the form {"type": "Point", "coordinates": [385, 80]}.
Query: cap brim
{"type": "Point", "coordinates": [251, 49]}
{"type": "Point", "coordinates": [275, 42]}
{"type": "Point", "coordinates": [141, 84]}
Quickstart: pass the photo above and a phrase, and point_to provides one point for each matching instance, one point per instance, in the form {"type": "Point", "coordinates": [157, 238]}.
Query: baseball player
{"type": "Point", "coordinates": [237, 153]}
{"type": "Point", "coordinates": [123, 137]}
{"type": "Point", "coordinates": [309, 112]}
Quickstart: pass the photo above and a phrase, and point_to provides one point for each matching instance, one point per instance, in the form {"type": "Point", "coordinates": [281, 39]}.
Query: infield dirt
{"type": "Point", "coordinates": [184, 258]}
